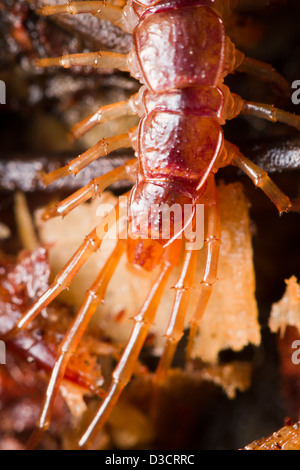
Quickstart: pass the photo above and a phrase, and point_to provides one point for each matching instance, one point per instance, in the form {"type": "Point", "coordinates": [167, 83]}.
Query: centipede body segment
{"type": "Point", "coordinates": [181, 55]}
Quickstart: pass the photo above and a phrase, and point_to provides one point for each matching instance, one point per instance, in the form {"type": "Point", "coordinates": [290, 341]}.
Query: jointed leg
{"type": "Point", "coordinates": [124, 370]}
{"type": "Point", "coordinates": [104, 114]}
{"type": "Point", "coordinates": [103, 10]}
{"type": "Point", "coordinates": [259, 177]}
{"type": "Point", "coordinates": [69, 344]}
{"type": "Point", "coordinates": [100, 60]}
{"type": "Point", "coordinates": [270, 113]}
{"type": "Point", "coordinates": [94, 188]}
{"type": "Point", "coordinates": [212, 242]}
{"type": "Point", "coordinates": [63, 279]}
{"type": "Point", "coordinates": [264, 72]}
{"type": "Point", "coordinates": [102, 148]}
{"type": "Point", "coordinates": [236, 106]}
{"type": "Point", "coordinates": [175, 328]}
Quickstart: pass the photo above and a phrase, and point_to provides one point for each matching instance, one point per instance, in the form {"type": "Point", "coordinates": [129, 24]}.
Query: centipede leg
{"type": "Point", "coordinates": [264, 72]}
{"type": "Point", "coordinates": [98, 60]}
{"type": "Point", "coordinates": [102, 148]}
{"type": "Point", "coordinates": [270, 113]}
{"type": "Point", "coordinates": [212, 242]}
{"type": "Point", "coordinates": [69, 344]}
{"type": "Point", "coordinates": [100, 9]}
{"type": "Point", "coordinates": [259, 177]}
{"type": "Point", "coordinates": [94, 188]}
{"type": "Point", "coordinates": [63, 279]}
{"type": "Point", "coordinates": [175, 327]}
{"type": "Point", "coordinates": [104, 114]}
{"type": "Point", "coordinates": [124, 370]}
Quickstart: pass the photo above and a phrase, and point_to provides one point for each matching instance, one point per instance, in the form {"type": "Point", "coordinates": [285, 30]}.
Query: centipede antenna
{"type": "Point", "coordinates": [98, 60]}
{"type": "Point", "coordinates": [101, 149]}
{"type": "Point", "coordinates": [103, 10]}
{"type": "Point", "coordinates": [94, 188]}
{"type": "Point", "coordinates": [69, 344]}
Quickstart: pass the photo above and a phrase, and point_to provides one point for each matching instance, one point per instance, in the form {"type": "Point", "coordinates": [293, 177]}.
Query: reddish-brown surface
{"type": "Point", "coordinates": [31, 354]}
{"type": "Point", "coordinates": [275, 243]}
{"type": "Point", "coordinates": [20, 285]}
{"type": "Point", "coordinates": [286, 438]}
{"type": "Point", "coordinates": [161, 42]}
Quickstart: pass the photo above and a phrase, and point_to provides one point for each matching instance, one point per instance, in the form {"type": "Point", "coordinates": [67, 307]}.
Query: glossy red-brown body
{"type": "Point", "coordinates": [180, 48]}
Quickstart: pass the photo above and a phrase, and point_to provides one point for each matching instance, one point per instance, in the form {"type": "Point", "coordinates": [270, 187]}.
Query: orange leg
{"type": "Point", "coordinates": [143, 321]}
{"type": "Point", "coordinates": [100, 60]}
{"type": "Point", "coordinates": [175, 328]}
{"type": "Point", "coordinates": [103, 10]}
{"type": "Point", "coordinates": [94, 188]}
{"type": "Point", "coordinates": [102, 148]}
{"type": "Point", "coordinates": [236, 106]}
{"type": "Point", "coordinates": [259, 177]}
{"type": "Point", "coordinates": [264, 72]}
{"type": "Point", "coordinates": [69, 344]}
{"type": "Point", "coordinates": [270, 113]}
{"type": "Point", "coordinates": [104, 114]}
{"type": "Point", "coordinates": [212, 242]}
{"type": "Point", "coordinates": [63, 279]}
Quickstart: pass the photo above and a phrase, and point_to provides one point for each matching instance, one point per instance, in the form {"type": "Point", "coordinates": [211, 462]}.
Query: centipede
{"type": "Point", "coordinates": [181, 56]}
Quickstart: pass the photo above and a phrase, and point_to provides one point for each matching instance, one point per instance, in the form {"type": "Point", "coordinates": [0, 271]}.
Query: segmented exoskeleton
{"type": "Point", "coordinates": [181, 55]}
